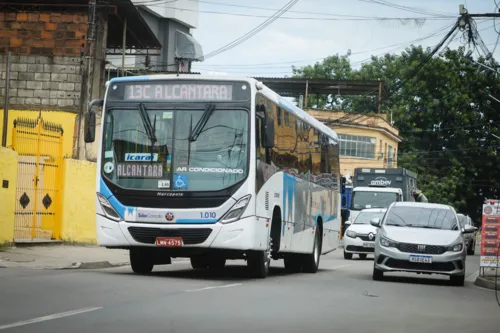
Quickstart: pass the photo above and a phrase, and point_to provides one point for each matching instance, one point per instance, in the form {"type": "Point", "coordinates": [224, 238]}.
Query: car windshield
{"type": "Point", "coordinates": [422, 217]}
{"type": "Point", "coordinates": [215, 160]}
{"type": "Point", "coordinates": [362, 200]}
{"type": "Point", "coordinates": [366, 217]}
{"type": "Point", "coordinates": [463, 220]}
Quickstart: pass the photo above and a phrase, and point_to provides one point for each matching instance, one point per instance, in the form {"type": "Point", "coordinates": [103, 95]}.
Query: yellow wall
{"type": "Point", "coordinates": [348, 164]}
{"type": "Point", "coordinates": [8, 172]}
{"type": "Point", "coordinates": [78, 203]}
{"type": "Point", "coordinates": [65, 119]}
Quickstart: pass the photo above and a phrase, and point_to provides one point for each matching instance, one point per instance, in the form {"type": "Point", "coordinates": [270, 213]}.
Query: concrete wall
{"type": "Point", "coordinates": [46, 49]}
{"type": "Point", "coordinates": [65, 119]}
{"type": "Point", "coordinates": [78, 202]}
{"type": "Point", "coordinates": [8, 180]}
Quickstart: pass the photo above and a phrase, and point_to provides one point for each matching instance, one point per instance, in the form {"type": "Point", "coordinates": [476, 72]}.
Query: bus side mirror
{"type": "Point", "coordinates": [89, 126]}
{"type": "Point", "coordinates": [268, 133]}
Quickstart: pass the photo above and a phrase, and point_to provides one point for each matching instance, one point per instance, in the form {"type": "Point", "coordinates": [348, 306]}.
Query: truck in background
{"type": "Point", "coordinates": [403, 179]}
{"type": "Point", "coordinates": [364, 197]}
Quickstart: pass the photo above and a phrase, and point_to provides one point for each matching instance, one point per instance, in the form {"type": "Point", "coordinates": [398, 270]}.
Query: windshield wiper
{"type": "Point", "coordinates": [150, 128]}
{"type": "Point", "coordinates": [209, 110]}
{"type": "Point", "coordinates": [421, 226]}
{"type": "Point", "coordinates": [394, 225]}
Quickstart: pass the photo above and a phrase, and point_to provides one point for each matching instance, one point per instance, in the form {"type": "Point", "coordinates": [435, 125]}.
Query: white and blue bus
{"type": "Point", "coordinates": [212, 169]}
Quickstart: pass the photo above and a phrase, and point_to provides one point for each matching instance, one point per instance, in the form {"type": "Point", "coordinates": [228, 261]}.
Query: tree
{"type": "Point", "coordinates": [443, 113]}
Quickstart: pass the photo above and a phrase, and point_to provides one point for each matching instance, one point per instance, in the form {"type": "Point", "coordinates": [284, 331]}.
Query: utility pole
{"type": "Point", "coordinates": [6, 101]}
{"type": "Point", "coordinates": [87, 71]}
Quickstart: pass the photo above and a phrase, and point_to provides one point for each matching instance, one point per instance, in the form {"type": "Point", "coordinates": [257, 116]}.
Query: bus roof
{"type": "Point", "coordinates": [279, 100]}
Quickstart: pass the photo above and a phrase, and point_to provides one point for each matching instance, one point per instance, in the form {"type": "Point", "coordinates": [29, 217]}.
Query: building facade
{"type": "Point", "coordinates": [366, 140]}
{"type": "Point", "coordinates": [172, 23]}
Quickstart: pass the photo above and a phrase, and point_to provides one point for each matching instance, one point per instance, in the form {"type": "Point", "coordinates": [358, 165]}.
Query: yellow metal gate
{"type": "Point", "coordinates": [38, 205]}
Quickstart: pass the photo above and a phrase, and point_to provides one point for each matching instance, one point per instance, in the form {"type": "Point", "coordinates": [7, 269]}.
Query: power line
{"type": "Point", "coordinates": [254, 31]}
{"type": "Point", "coordinates": [404, 8]}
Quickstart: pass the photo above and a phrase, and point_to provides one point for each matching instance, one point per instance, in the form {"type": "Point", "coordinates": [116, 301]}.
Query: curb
{"type": "Point", "coordinates": [485, 283]}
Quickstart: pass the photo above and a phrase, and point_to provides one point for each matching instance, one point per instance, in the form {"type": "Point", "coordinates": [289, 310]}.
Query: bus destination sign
{"type": "Point", "coordinates": [178, 92]}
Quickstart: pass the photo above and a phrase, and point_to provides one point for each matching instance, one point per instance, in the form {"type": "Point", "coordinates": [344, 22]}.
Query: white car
{"type": "Point", "coordinates": [359, 237]}
{"type": "Point", "coordinates": [420, 238]}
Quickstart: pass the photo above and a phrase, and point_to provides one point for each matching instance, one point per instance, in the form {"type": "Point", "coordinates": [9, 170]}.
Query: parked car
{"type": "Point", "coordinates": [359, 237]}
{"type": "Point", "coordinates": [470, 239]}
{"type": "Point", "coordinates": [420, 238]}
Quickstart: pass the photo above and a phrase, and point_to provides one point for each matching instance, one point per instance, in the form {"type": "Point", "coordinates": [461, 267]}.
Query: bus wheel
{"type": "Point", "coordinates": [199, 263]}
{"type": "Point", "coordinates": [293, 264]}
{"type": "Point", "coordinates": [217, 263]}
{"type": "Point", "coordinates": [259, 261]}
{"type": "Point", "coordinates": [311, 261]}
{"type": "Point", "coordinates": [141, 260]}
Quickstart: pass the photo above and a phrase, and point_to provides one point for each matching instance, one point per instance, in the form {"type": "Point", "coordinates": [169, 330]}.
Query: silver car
{"type": "Point", "coordinates": [420, 238]}
{"type": "Point", "coordinates": [470, 239]}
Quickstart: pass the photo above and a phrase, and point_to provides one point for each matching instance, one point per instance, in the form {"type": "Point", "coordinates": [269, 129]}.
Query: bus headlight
{"type": "Point", "coordinates": [108, 210]}
{"type": "Point", "coordinates": [237, 210]}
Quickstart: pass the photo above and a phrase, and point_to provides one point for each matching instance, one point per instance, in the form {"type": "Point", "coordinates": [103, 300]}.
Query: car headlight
{"type": "Point", "coordinates": [237, 210]}
{"type": "Point", "coordinates": [456, 247]}
{"type": "Point", "coordinates": [350, 233]}
{"type": "Point", "coordinates": [387, 242]}
{"type": "Point", "coordinates": [108, 209]}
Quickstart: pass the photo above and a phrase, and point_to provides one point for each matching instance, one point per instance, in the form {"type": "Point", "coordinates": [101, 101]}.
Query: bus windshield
{"type": "Point", "coordinates": [216, 159]}
{"type": "Point", "coordinates": [362, 199]}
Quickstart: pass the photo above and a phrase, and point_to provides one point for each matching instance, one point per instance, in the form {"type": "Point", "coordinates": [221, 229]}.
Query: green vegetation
{"type": "Point", "coordinates": [444, 115]}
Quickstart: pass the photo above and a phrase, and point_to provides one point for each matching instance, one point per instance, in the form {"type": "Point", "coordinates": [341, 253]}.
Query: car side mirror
{"type": "Point", "coordinates": [89, 127]}
{"type": "Point", "coordinates": [476, 228]}
{"type": "Point", "coordinates": [375, 222]}
{"type": "Point", "coordinates": [468, 229]}
{"type": "Point", "coordinates": [268, 133]}
{"type": "Point", "coordinates": [347, 222]}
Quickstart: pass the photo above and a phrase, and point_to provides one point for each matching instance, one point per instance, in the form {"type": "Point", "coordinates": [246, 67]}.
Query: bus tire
{"type": "Point", "coordinates": [311, 261]}
{"type": "Point", "coordinates": [141, 260]}
{"type": "Point", "coordinates": [293, 264]}
{"type": "Point", "coordinates": [217, 263]}
{"type": "Point", "coordinates": [198, 263]}
{"type": "Point", "coordinates": [258, 264]}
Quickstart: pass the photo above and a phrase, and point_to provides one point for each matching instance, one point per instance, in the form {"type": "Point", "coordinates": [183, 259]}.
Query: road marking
{"type": "Point", "coordinates": [214, 287]}
{"type": "Point", "coordinates": [343, 266]}
{"type": "Point", "coordinates": [49, 317]}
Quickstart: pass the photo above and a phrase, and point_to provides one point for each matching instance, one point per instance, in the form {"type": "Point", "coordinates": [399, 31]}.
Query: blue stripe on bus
{"type": "Point", "coordinates": [200, 221]}
{"type": "Point", "coordinates": [129, 79]}
{"type": "Point", "coordinates": [117, 205]}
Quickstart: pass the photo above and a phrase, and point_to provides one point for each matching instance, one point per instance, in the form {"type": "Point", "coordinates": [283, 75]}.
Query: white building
{"type": "Point", "coordinates": [171, 22]}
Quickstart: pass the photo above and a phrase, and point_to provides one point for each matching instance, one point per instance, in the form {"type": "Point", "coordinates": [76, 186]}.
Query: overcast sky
{"type": "Point", "coordinates": [336, 27]}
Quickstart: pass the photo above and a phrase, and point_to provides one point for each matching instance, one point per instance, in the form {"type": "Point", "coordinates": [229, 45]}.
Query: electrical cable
{"type": "Point", "coordinates": [252, 32]}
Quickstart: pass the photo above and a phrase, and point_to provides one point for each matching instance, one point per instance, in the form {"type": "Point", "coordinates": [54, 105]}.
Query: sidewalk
{"type": "Point", "coordinates": [63, 256]}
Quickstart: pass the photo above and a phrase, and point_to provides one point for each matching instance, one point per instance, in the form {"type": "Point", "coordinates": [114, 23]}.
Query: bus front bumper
{"type": "Point", "coordinates": [240, 235]}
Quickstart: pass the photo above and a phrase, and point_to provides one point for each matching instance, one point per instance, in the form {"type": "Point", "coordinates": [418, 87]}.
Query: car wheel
{"type": "Point", "coordinates": [377, 275]}
{"type": "Point", "coordinates": [347, 255]}
{"type": "Point", "coordinates": [311, 261]}
{"type": "Point", "coordinates": [362, 256]}
{"type": "Point", "coordinates": [141, 261]}
{"type": "Point", "coordinates": [457, 280]}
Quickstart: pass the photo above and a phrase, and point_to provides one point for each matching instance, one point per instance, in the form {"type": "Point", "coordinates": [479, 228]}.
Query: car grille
{"type": "Point", "coordinates": [189, 236]}
{"type": "Point", "coordinates": [435, 266]}
{"type": "Point", "coordinates": [366, 238]}
{"type": "Point", "coordinates": [359, 248]}
{"type": "Point", "coordinates": [429, 249]}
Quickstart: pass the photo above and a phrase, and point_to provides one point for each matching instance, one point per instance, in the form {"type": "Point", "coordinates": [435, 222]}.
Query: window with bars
{"type": "Point", "coordinates": [357, 146]}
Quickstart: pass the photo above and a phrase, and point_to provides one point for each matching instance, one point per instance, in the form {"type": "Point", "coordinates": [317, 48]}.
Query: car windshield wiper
{"type": "Point", "coordinates": [421, 226]}
{"type": "Point", "coordinates": [394, 225]}
{"type": "Point", "coordinates": [150, 128]}
{"type": "Point", "coordinates": [209, 110]}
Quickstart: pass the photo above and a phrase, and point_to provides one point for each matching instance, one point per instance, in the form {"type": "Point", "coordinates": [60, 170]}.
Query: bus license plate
{"type": "Point", "coordinates": [372, 244]}
{"type": "Point", "coordinates": [169, 242]}
{"type": "Point", "coordinates": [421, 259]}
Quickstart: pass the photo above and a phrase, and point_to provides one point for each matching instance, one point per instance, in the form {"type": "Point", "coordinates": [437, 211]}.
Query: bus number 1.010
{"type": "Point", "coordinates": [208, 215]}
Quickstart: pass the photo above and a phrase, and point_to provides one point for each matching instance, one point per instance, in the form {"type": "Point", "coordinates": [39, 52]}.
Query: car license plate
{"type": "Point", "coordinates": [169, 242]}
{"type": "Point", "coordinates": [371, 245]}
{"type": "Point", "coordinates": [421, 259]}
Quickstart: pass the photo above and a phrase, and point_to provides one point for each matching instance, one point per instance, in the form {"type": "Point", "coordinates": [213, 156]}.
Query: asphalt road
{"type": "Point", "coordinates": [341, 297]}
